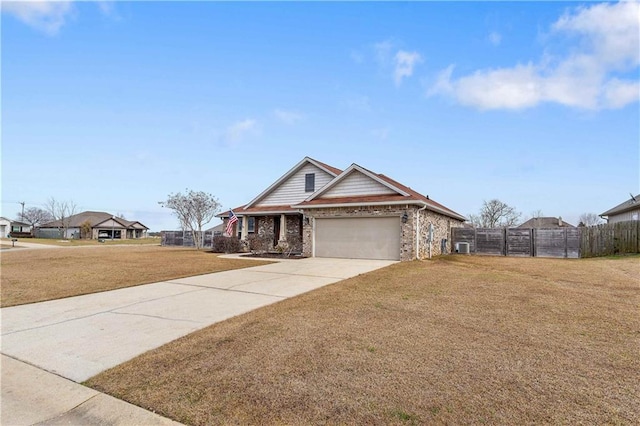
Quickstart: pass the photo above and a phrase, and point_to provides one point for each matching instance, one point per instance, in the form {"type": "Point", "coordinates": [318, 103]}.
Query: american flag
{"type": "Point", "coordinates": [232, 219]}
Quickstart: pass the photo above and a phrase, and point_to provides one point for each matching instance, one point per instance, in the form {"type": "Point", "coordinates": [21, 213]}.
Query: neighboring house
{"type": "Point", "coordinates": [5, 227]}
{"type": "Point", "coordinates": [17, 226]}
{"type": "Point", "coordinates": [102, 225]}
{"type": "Point", "coordinates": [217, 230]}
{"type": "Point", "coordinates": [354, 213]}
{"type": "Point", "coordinates": [546, 222]}
{"type": "Point", "coordinates": [627, 210]}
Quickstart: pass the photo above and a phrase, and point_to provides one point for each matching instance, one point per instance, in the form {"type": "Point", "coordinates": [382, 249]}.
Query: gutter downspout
{"type": "Point", "coordinates": [418, 232]}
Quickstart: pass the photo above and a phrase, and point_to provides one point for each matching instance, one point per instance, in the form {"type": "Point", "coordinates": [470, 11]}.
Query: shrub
{"type": "Point", "coordinates": [226, 245]}
{"type": "Point", "coordinates": [258, 244]}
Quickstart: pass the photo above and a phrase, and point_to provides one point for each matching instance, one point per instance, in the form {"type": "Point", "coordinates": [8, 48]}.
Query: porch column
{"type": "Point", "coordinates": [245, 227]}
{"type": "Point", "coordinates": [283, 227]}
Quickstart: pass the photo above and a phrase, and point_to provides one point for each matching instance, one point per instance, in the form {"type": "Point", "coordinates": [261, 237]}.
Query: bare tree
{"type": "Point", "coordinates": [61, 211]}
{"type": "Point", "coordinates": [35, 216]}
{"type": "Point", "coordinates": [536, 214]}
{"type": "Point", "coordinates": [193, 209]}
{"type": "Point", "coordinates": [495, 214]}
{"type": "Point", "coordinates": [590, 219]}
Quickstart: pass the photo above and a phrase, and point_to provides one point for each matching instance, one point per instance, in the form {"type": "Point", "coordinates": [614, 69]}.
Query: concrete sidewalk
{"type": "Point", "coordinates": [31, 396]}
{"type": "Point", "coordinates": [79, 337]}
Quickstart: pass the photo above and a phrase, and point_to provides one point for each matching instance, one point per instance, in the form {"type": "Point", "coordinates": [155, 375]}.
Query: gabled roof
{"type": "Point", "coordinates": [350, 170]}
{"type": "Point", "coordinates": [262, 210]}
{"type": "Point", "coordinates": [546, 222]}
{"type": "Point", "coordinates": [401, 195]}
{"type": "Point", "coordinates": [630, 204]}
{"type": "Point", "coordinates": [329, 169]}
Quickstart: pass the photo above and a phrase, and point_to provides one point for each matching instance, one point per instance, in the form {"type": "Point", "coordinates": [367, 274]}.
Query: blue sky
{"type": "Point", "coordinates": [114, 105]}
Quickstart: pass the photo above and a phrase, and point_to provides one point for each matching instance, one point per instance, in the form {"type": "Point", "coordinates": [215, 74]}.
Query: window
{"type": "Point", "coordinates": [309, 182]}
{"type": "Point", "coordinates": [252, 224]}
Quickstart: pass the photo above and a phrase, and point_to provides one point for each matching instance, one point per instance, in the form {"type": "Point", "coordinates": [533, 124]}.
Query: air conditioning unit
{"type": "Point", "coordinates": [462, 248]}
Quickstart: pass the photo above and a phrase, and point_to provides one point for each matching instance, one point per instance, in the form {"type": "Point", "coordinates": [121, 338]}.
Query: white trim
{"type": "Point", "coordinates": [347, 172]}
{"type": "Point", "coordinates": [267, 213]}
{"type": "Point", "coordinates": [287, 175]}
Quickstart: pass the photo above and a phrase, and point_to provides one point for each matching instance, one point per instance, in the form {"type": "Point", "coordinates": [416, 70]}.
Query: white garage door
{"type": "Point", "coordinates": [358, 238]}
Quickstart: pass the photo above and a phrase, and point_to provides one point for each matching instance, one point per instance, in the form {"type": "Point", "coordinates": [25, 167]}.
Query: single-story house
{"type": "Point", "coordinates": [7, 226]}
{"type": "Point", "coordinates": [217, 230]}
{"type": "Point", "coordinates": [627, 210]}
{"type": "Point", "coordinates": [351, 213]}
{"type": "Point", "coordinates": [546, 222]}
{"type": "Point", "coordinates": [101, 224]}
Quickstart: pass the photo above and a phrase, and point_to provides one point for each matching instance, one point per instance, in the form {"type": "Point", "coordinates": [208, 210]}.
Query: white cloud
{"type": "Point", "coordinates": [587, 77]}
{"type": "Point", "coordinates": [495, 38]}
{"type": "Point", "coordinates": [404, 64]}
{"type": "Point", "coordinates": [400, 62]}
{"type": "Point", "coordinates": [239, 130]}
{"type": "Point", "coordinates": [108, 9]}
{"type": "Point", "coordinates": [383, 51]}
{"type": "Point", "coordinates": [358, 103]}
{"type": "Point", "coordinates": [287, 117]}
{"type": "Point", "coordinates": [357, 57]}
{"type": "Point", "coordinates": [45, 16]}
{"type": "Point", "coordinates": [381, 133]}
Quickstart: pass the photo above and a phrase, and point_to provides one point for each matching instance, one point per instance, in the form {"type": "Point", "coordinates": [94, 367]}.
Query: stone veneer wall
{"type": "Point", "coordinates": [265, 226]}
{"type": "Point", "coordinates": [442, 230]}
{"type": "Point", "coordinates": [442, 227]}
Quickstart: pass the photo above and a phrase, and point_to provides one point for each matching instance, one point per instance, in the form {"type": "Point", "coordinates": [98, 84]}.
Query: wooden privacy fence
{"type": "Point", "coordinates": [601, 240]}
{"type": "Point", "coordinates": [524, 242]}
{"type": "Point", "coordinates": [184, 239]}
{"type": "Point", "coordinates": [611, 239]}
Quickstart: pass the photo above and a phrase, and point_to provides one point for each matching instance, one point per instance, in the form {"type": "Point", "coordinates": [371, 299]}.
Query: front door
{"type": "Point", "coordinates": [276, 231]}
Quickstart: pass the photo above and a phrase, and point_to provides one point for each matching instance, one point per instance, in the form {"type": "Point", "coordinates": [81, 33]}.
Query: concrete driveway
{"type": "Point", "coordinates": [79, 337]}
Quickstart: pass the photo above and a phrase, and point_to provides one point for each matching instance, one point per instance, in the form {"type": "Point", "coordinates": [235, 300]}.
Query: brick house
{"type": "Point", "coordinates": [351, 213]}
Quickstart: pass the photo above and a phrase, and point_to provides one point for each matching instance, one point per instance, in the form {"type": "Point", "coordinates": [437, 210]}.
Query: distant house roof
{"type": "Point", "coordinates": [546, 222]}
{"type": "Point", "coordinates": [217, 228]}
{"type": "Point", "coordinates": [94, 219]}
{"type": "Point", "coordinates": [18, 223]}
{"type": "Point", "coordinates": [630, 204]}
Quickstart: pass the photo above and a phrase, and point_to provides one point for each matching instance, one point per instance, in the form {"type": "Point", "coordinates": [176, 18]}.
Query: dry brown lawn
{"type": "Point", "coordinates": [457, 340]}
{"type": "Point", "coordinates": [29, 276]}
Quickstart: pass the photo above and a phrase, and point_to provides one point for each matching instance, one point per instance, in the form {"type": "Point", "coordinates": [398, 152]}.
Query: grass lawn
{"type": "Point", "coordinates": [457, 340]}
{"type": "Point", "coordinates": [44, 274]}
{"type": "Point", "coordinates": [78, 243]}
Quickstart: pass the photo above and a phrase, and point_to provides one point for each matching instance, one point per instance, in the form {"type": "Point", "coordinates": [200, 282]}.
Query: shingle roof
{"type": "Point", "coordinates": [241, 211]}
{"type": "Point", "coordinates": [94, 218]}
{"type": "Point", "coordinates": [630, 204]}
{"type": "Point", "coordinates": [412, 197]}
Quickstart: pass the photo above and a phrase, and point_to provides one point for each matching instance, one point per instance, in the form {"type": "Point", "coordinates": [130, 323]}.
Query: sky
{"type": "Point", "coordinates": [116, 105]}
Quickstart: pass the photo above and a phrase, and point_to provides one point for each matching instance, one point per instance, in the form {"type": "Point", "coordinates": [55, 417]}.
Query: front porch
{"type": "Point", "coordinates": [278, 230]}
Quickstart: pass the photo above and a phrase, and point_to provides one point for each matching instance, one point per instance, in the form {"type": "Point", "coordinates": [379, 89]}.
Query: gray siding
{"type": "Point", "coordinates": [291, 191]}
{"type": "Point", "coordinates": [626, 216]}
{"type": "Point", "coordinates": [357, 184]}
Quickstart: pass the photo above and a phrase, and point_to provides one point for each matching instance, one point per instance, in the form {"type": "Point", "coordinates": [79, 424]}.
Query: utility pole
{"type": "Point", "coordinates": [22, 215]}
